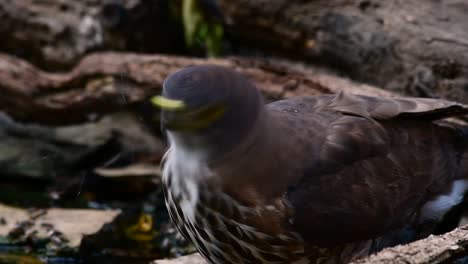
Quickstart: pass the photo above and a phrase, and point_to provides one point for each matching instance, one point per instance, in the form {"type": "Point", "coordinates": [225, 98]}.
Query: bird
{"type": "Point", "coordinates": [312, 179]}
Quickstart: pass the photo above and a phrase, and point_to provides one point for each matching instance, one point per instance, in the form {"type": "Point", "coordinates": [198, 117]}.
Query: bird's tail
{"type": "Point", "coordinates": [458, 215]}
{"type": "Point", "coordinates": [462, 144]}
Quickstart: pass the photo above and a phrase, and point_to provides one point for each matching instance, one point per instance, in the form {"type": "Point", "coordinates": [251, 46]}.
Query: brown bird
{"type": "Point", "coordinates": [323, 179]}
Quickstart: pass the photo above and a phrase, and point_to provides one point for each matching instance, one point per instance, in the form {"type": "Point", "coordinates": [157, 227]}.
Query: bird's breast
{"type": "Point", "coordinates": [222, 229]}
{"type": "Point", "coordinates": [225, 230]}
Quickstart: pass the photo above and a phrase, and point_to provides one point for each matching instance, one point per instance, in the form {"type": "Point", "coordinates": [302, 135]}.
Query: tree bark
{"type": "Point", "coordinates": [446, 248]}
{"type": "Point", "coordinates": [106, 82]}
{"type": "Point", "coordinates": [56, 34]}
{"type": "Point", "coordinates": [414, 47]}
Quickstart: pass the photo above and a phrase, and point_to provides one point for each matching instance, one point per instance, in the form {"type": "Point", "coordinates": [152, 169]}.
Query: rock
{"type": "Point", "coordinates": [415, 47]}
{"type": "Point", "coordinates": [109, 82]}
{"type": "Point", "coordinates": [190, 259]}
{"type": "Point", "coordinates": [43, 152]}
{"type": "Point", "coordinates": [70, 222]}
{"type": "Point", "coordinates": [132, 135]}
{"type": "Point", "coordinates": [35, 152]}
{"type": "Point", "coordinates": [55, 34]}
{"type": "Point", "coordinates": [140, 178]}
{"type": "Point", "coordinates": [10, 258]}
{"type": "Point", "coordinates": [69, 226]}
{"type": "Point", "coordinates": [10, 217]}
{"type": "Point", "coordinates": [137, 170]}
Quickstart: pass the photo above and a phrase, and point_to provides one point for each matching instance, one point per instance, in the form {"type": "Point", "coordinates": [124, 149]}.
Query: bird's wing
{"type": "Point", "coordinates": [387, 108]}
{"type": "Point", "coordinates": [376, 162]}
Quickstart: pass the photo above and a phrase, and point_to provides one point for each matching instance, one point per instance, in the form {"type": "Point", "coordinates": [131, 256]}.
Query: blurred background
{"type": "Point", "coordinates": [80, 145]}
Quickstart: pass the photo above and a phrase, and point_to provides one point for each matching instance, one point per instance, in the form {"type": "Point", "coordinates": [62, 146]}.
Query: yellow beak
{"type": "Point", "coordinates": [167, 104]}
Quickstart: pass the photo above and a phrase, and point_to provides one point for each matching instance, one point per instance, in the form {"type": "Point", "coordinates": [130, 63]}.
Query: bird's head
{"type": "Point", "coordinates": [209, 107]}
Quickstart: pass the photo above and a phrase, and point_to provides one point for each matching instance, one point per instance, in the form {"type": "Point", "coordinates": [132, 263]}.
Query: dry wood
{"type": "Point", "coordinates": [190, 259]}
{"type": "Point", "coordinates": [416, 47]}
{"type": "Point", "coordinates": [56, 34]}
{"type": "Point", "coordinates": [434, 249]}
{"type": "Point", "coordinates": [109, 81]}
{"type": "Point", "coordinates": [446, 248]}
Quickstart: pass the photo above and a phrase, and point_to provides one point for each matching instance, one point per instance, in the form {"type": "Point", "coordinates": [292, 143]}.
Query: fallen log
{"type": "Point", "coordinates": [56, 34]}
{"type": "Point", "coordinates": [448, 248]}
{"type": "Point", "coordinates": [106, 82]}
{"type": "Point", "coordinates": [109, 81]}
{"type": "Point", "coordinates": [418, 48]}
{"type": "Point", "coordinates": [413, 47]}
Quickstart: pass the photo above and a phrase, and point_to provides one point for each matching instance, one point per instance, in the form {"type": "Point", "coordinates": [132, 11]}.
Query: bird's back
{"type": "Point", "coordinates": [323, 178]}
{"type": "Point", "coordinates": [369, 165]}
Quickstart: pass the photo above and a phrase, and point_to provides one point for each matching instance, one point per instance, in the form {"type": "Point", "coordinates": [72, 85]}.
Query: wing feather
{"type": "Point", "coordinates": [386, 108]}
{"type": "Point", "coordinates": [379, 160]}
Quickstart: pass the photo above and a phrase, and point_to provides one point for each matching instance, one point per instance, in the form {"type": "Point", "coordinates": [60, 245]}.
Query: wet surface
{"type": "Point", "coordinates": [110, 190]}
{"type": "Point", "coordinates": [141, 233]}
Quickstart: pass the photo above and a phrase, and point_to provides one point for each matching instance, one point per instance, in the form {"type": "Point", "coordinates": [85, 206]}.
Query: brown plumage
{"type": "Point", "coordinates": [321, 179]}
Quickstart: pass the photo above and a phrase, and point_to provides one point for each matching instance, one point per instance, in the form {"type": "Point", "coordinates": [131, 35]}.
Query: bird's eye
{"type": "Point", "coordinates": [208, 114]}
